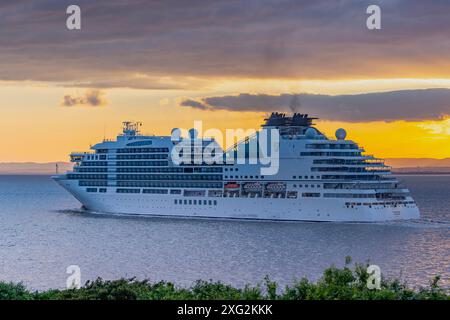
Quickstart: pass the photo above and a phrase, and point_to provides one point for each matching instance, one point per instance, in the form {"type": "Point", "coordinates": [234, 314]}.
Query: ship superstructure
{"type": "Point", "coordinates": [318, 178]}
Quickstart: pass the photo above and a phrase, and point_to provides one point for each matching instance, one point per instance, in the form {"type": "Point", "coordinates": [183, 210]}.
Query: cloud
{"type": "Point", "coordinates": [200, 39]}
{"type": "Point", "coordinates": [92, 98]}
{"type": "Point", "coordinates": [438, 128]}
{"type": "Point", "coordinates": [408, 105]}
{"type": "Point", "coordinates": [194, 104]}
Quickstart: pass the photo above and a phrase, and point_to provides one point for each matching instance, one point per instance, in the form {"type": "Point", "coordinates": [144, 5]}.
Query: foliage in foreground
{"type": "Point", "coordinates": [336, 284]}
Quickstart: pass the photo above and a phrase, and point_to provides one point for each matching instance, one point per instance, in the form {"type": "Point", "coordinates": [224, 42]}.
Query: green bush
{"type": "Point", "coordinates": [12, 291]}
{"type": "Point", "coordinates": [345, 283]}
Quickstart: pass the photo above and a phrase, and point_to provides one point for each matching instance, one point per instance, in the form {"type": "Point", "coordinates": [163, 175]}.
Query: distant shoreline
{"type": "Point", "coordinates": [418, 173]}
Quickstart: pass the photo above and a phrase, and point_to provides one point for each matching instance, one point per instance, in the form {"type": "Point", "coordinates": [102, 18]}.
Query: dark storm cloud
{"type": "Point", "coordinates": [136, 43]}
{"type": "Point", "coordinates": [409, 105]}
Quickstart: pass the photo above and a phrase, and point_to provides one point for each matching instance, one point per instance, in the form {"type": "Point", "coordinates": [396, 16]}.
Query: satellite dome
{"type": "Point", "coordinates": [310, 133]}
{"type": "Point", "coordinates": [193, 133]}
{"type": "Point", "coordinates": [175, 134]}
{"type": "Point", "coordinates": [340, 134]}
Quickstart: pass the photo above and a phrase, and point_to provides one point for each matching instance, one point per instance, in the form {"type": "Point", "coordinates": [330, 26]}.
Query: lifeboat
{"type": "Point", "coordinates": [252, 186]}
{"type": "Point", "coordinates": [232, 186]}
{"type": "Point", "coordinates": [276, 187]}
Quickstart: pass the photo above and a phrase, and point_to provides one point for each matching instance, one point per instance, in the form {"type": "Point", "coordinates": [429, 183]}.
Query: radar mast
{"type": "Point", "coordinates": [131, 128]}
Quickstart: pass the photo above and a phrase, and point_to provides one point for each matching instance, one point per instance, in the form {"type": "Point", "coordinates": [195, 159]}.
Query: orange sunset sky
{"type": "Point", "coordinates": [227, 63]}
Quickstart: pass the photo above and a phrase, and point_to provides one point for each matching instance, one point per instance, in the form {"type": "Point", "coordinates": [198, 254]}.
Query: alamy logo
{"type": "Point", "coordinates": [73, 21]}
{"type": "Point", "coordinates": [74, 280]}
{"type": "Point", "coordinates": [249, 147]}
{"type": "Point", "coordinates": [374, 279]}
{"type": "Point", "coordinates": [373, 22]}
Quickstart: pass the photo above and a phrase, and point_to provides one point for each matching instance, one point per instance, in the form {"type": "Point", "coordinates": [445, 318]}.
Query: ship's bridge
{"type": "Point", "coordinates": [78, 156]}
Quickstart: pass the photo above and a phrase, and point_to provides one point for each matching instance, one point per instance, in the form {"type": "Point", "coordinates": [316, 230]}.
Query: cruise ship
{"type": "Point", "coordinates": [317, 178]}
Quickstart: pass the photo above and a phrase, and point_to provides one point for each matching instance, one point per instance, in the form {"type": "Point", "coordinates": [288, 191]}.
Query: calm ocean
{"type": "Point", "coordinates": [43, 231]}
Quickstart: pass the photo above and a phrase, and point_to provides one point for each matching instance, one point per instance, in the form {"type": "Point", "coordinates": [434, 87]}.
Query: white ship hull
{"type": "Point", "coordinates": [239, 208]}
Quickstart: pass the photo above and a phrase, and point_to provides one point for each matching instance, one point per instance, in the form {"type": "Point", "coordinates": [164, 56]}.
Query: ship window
{"type": "Point", "coordinates": [292, 194]}
{"type": "Point", "coordinates": [215, 202]}
{"type": "Point", "coordinates": [128, 190]}
{"type": "Point", "coordinates": [209, 202]}
{"type": "Point", "coordinates": [155, 191]}
{"type": "Point", "coordinates": [91, 189]}
{"type": "Point", "coordinates": [185, 201]}
{"type": "Point", "coordinates": [190, 201]}
{"type": "Point", "coordinates": [195, 201]}
{"type": "Point", "coordinates": [102, 190]}
{"type": "Point", "coordinates": [310, 194]}
{"type": "Point", "coordinates": [295, 186]}
{"type": "Point", "coordinates": [204, 202]}
{"type": "Point", "coordinates": [294, 177]}
{"type": "Point", "coordinates": [175, 201]}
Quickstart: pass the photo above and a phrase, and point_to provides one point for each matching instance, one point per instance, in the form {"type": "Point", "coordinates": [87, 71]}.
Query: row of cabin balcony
{"type": "Point", "coordinates": [357, 177]}
{"type": "Point", "coordinates": [363, 185]}
{"type": "Point", "coordinates": [342, 153]}
{"type": "Point", "coordinates": [355, 164]}
{"type": "Point", "coordinates": [351, 169]}
{"type": "Point", "coordinates": [345, 157]}
{"type": "Point", "coordinates": [335, 146]}
{"type": "Point", "coordinates": [344, 161]}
